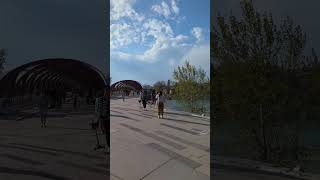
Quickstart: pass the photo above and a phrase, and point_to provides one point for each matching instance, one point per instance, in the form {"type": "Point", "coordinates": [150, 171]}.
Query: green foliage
{"type": "Point", "coordinates": [3, 56]}
{"type": "Point", "coordinates": [146, 86]}
{"type": "Point", "coordinates": [192, 87]}
{"type": "Point", "coordinates": [160, 86]}
{"type": "Point", "coordinates": [256, 76]}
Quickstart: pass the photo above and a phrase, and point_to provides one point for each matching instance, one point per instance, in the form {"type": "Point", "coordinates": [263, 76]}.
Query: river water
{"type": "Point", "coordinates": [174, 105]}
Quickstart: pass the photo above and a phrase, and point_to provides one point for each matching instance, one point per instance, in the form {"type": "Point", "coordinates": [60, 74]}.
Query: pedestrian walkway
{"type": "Point", "coordinates": [144, 147]}
{"type": "Point", "coordinates": [62, 151]}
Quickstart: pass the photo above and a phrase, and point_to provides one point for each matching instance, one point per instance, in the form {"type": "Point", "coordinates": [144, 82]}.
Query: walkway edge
{"type": "Point", "coordinates": [266, 170]}
{"type": "Point", "coordinates": [203, 117]}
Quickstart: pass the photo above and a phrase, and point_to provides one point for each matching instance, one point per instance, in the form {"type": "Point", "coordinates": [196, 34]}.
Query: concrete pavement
{"type": "Point", "coordinates": [62, 151]}
{"type": "Point", "coordinates": [144, 147]}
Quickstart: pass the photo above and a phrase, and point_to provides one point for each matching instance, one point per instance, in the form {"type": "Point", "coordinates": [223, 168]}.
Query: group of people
{"type": "Point", "coordinates": [157, 99]}
{"type": "Point", "coordinates": [48, 100]}
{"type": "Point", "coordinates": [102, 117]}
{"type": "Point", "coordinates": [101, 120]}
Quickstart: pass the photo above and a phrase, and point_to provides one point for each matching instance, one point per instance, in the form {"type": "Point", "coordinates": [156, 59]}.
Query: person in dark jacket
{"type": "Point", "coordinates": [43, 109]}
{"type": "Point", "coordinates": [144, 99]}
{"type": "Point", "coordinates": [103, 119]}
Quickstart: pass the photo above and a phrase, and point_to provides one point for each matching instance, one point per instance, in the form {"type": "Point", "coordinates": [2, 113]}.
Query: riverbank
{"type": "Point", "coordinates": [228, 135]}
{"type": "Point", "coordinates": [174, 105]}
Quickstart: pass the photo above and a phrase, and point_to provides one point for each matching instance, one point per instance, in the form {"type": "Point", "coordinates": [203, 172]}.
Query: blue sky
{"type": "Point", "coordinates": [150, 38]}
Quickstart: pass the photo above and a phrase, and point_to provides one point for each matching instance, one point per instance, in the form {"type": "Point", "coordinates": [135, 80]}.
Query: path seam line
{"type": "Point", "coordinates": [156, 168]}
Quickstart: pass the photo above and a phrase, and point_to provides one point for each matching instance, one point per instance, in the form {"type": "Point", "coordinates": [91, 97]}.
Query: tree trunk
{"type": "Point", "coordinates": [263, 136]}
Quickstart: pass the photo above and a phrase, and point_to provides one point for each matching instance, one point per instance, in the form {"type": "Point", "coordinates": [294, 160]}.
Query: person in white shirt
{"type": "Point", "coordinates": [160, 102]}
{"type": "Point", "coordinates": [156, 98]}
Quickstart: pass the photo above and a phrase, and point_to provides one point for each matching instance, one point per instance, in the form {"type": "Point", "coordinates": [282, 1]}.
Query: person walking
{"type": "Point", "coordinates": [144, 99]}
{"type": "Point", "coordinates": [140, 98]}
{"type": "Point", "coordinates": [43, 109]}
{"type": "Point", "coordinates": [123, 95]}
{"type": "Point", "coordinates": [103, 118]}
{"type": "Point", "coordinates": [153, 98]}
{"type": "Point", "coordinates": [75, 100]}
{"type": "Point", "coordinates": [157, 96]}
{"type": "Point", "coordinates": [160, 103]}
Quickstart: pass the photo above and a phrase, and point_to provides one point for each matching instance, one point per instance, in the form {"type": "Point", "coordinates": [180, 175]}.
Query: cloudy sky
{"type": "Point", "coordinates": [37, 29]}
{"type": "Point", "coordinates": [149, 38]}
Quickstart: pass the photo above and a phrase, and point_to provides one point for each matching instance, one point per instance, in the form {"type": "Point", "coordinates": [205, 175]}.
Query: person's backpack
{"type": "Point", "coordinates": [144, 96]}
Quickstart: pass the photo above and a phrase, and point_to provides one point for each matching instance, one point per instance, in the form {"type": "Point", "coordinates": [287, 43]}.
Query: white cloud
{"type": "Point", "coordinates": [165, 10]}
{"type": "Point", "coordinates": [164, 41]}
{"type": "Point", "coordinates": [157, 36]}
{"type": "Point", "coordinates": [179, 40]}
{"type": "Point", "coordinates": [150, 42]}
{"type": "Point", "coordinates": [121, 55]}
{"type": "Point", "coordinates": [197, 32]}
{"type": "Point", "coordinates": [123, 34]}
{"type": "Point", "coordinates": [162, 49]}
{"type": "Point", "coordinates": [123, 8]}
{"type": "Point", "coordinates": [174, 6]}
{"type": "Point", "coordinates": [199, 56]}
{"type": "Point", "coordinates": [162, 9]}
{"type": "Point", "coordinates": [157, 8]}
{"type": "Point", "coordinates": [158, 29]}
{"type": "Point", "coordinates": [158, 33]}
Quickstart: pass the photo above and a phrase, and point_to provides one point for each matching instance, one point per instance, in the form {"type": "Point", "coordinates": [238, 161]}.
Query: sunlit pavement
{"type": "Point", "coordinates": [62, 151]}
{"type": "Point", "coordinates": [144, 147]}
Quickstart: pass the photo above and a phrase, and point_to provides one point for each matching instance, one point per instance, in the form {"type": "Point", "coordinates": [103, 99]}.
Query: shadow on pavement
{"type": "Point", "coordinates": [31, 173]}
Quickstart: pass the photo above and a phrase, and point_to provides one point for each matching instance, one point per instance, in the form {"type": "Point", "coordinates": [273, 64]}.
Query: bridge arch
{"type": "Point", "coordinates": [54, 73]}
{"type": "Point", "coordinates": [126, 85]}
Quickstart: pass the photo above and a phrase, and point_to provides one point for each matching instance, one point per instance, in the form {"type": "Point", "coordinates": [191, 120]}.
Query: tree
{"type": "Point", "coordinates": [3, 56]}
{"type": "Point", "coordinates": [168, 86]}
{"type": "Point", "coordinates": [146, 86]}
{"type": "Point", "coordinates": [191, 87]}
{"type": "Point", "coordinates": [160, 86]}
{"type": "Point", "coordinates": [255, 75]}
